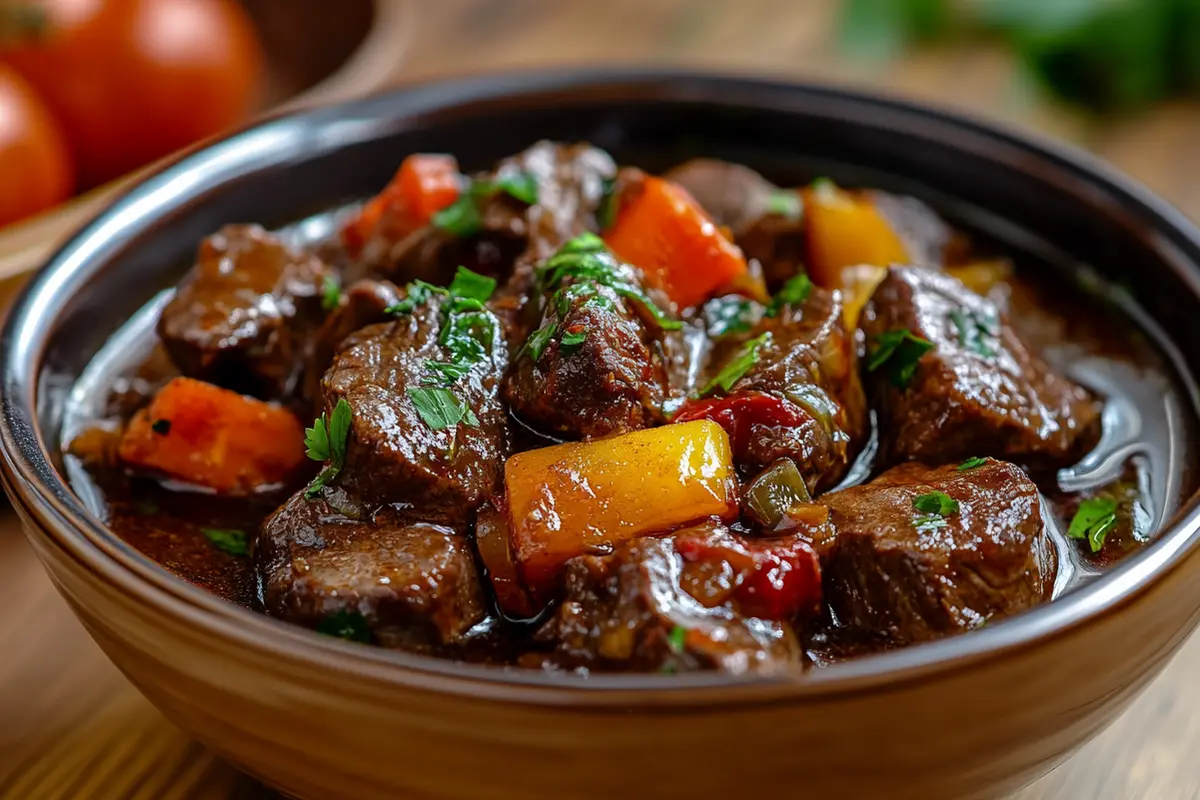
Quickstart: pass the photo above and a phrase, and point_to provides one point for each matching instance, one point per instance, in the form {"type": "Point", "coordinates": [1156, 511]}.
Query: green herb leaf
{"type": "Point", "coordinates": [461, 218]}
{"type": "Point", "coordinates": [737, 366]}
{"type": "Point", "coordinates": [971, 463]}
{"type": "Point", "coordinates": [570, 342]}
{"type": "Point", "coordinates": [731, 314]}
{"type": "Point", "coordinates": [523, 186]}
{"type": "Point", "coordinates": [439, 408]}
{"type": "Point", "coordinates": [900, 350]}
{"type": "Point", "coordinates": [331, 293]}
{"type": "Point", "coordinates": [786, 203]}
{"type": "Point", "coordinates": [161, 426]}
{"type": "Point", "coordinates": [976, 332]}
{"type": "Point", "coordinates": [537, 342]}
{"type": "Point", "coordinates": [794, 292]}
{"type": "Point", "coordinates": [471, 285]}
{"type": "Point", "coordinates": [228, 540]}
{"type": "Point", "coordinates": [929, 522]}
{"type": "Point", "coordinates": [676, 639]}
{"type": "Point", "coordinates": [444, 373]}
{"type": "Point", "coordinates": [416, 294]}
{"type": "Point", "coordinates": [936, 502]}
{"type": "Point", "coordinates": [326, 441]}
{"type": "Point", "coordinates": [349, 625]}
{"type": "Point", "coordinates": [1093, 521]}
{"type": "Point", "coordinates": [610, 204]}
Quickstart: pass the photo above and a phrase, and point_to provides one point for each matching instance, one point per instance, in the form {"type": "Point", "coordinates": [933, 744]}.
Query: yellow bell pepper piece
{"type": "Point", "coordinates": [844, 231]}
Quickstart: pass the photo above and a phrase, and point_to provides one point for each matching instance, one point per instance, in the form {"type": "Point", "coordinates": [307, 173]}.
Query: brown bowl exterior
{"type": "Point", "coordinates": [974, 716]}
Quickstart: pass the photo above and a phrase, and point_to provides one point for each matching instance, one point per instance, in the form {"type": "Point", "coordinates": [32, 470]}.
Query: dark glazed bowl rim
{"type": "Point", "coordinates": [44, 496]}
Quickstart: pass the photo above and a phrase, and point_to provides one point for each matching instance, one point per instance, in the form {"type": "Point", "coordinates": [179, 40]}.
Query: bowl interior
{"type": "Point", "coordinates": [1053, 207]}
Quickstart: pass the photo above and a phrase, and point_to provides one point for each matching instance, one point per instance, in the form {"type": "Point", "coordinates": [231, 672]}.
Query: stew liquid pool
{"type": "Point", "coordinates": [569, 416]}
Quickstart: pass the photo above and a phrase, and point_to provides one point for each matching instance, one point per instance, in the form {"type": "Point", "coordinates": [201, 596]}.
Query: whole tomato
{"type": "Point", "coordinates": [133, 80]}
{"type": "Point", "coordinates": [35, 167]}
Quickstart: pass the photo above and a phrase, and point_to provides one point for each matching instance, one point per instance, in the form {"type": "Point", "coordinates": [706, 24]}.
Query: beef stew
{"type": "Point", "coordinates": [573, 416]}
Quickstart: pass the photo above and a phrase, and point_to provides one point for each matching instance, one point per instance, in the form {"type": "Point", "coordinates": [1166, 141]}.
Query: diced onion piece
{"type": "Point", "coordinates": [584, 497]}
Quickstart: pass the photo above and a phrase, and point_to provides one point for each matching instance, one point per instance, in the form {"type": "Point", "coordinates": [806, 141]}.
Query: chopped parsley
{"type": "Point", "coordinates": [471, 285]}
{"type": "Point", "coordinates": [161, 426]}
{"type": "Point", "coordinates": [462, 217]}
{"type": "Point", "coordinates": [228, 540]}
{"type": "Point", "coordinates": [936, 502]}
{"type": "Point", "coordinates": [444, 373]}
{"type": "Point", "coordinates": [536, 344]}
{"type": "Point", "coordinates": [348, 625]}
{"type": "Point", "coordinates": [899, 350]}
{"type": "Point", "coordinates": [439, 408]}
{"type": "Point", "coordinates": [731, 314]}
{"type": "Point", "coordinates": [418, 293]}
{"type": "Point", "coordinates": [1093, 521]}
{"type": "Point", "coordinates": [737, 366]}
{"type": "Point", "coordinates": [610, 203]}
{"type": "Point", "coordinates": [676, 639]}
{"type": "Point", "coordinates": [326, 441]}
{"type": "Point", "coordinates": [570, 342]}
{"type": "Point", "coordinates": [976, 332]}
{"type": "Point", "coordinates": [794, 292]}
{"type": "Point", "coordinates": [331, 293]}
{"type": "Point", "coordinates": [785, 203]}
{"type": "Point", "coordinates": [971, 463]}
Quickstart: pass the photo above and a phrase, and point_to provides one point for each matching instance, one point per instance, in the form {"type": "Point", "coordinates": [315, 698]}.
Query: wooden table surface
{"type": "Point", "coordinates": [72, 727]}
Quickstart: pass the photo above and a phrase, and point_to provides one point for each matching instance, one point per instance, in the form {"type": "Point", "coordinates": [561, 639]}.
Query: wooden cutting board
{"type": "Point", "coordinates": [72, 727]}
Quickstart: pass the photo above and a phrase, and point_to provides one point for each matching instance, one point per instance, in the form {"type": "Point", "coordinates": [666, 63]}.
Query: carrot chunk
{"type": "Point", "coordinates": [844, 231]}
{"type": "Point", "coordinates": [665, 233]}
{"type": "Point", "coordinates": [199, 433]}
{"type": "Point", "coordinates": [582, 497]}
{"type": "Point", "coordinates": [424, 185]}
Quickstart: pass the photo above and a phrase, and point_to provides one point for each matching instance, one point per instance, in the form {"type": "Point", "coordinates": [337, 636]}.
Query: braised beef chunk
{"type": "Point", "coordinates": [929, 241]}
{"type": "Point", "coordinates": [633, 610]}
{"type": "Point", "coordinates": [978, 390]}
{"type": "Point", "coordinates": [418, 436]}
{"type": "Point", "coordinates": [593, 366]}
{"type": "Point", "coordinates": [244, 315]}
{"type": "Point", "coordinates": [406, 584]}
{"type": "Point", "coordinates": [799, 395]}
{"type": "Point", "coordinates": [363, 303]}
{"type": "Point", "coordinates": [920, 553]}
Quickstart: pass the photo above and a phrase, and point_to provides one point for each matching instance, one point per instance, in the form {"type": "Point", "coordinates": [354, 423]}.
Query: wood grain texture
{"type": "Point", "coordinates": [72, 727]}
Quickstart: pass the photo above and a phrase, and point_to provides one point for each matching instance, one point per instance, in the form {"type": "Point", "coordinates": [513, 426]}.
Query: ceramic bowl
{"type": "Point", "coordinates": [315, 717]}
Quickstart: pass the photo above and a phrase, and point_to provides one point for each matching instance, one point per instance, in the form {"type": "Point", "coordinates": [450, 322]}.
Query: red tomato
{"type": "Point", "coordinates": [133, 80]}
{"type": "Point", "coordinates": [35, 167]}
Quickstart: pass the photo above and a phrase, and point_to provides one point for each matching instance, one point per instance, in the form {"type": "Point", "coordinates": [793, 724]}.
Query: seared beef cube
{"type": "Point", "coordinates": [978, 391]}
{"type": "Point", "coordinates": [394, 453]}
{"type": "Point", "coordinates": [800, 396]}
{"type": "Point", "coordinates": [363, 303]}
{"type": "Point", "coordinates": [630, 611]}
{"type": "Point", "coordinates": [593, 366]}
{"type": "Point", "coordinates": [244, 316]}
{"type": "Point", "coordinates": [920, 553]}
{"type": "Point", "coordinates": [408, 584]}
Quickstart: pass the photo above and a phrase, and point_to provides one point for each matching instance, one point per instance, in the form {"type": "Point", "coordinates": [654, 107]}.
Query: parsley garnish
{"type": "Point", "coordinates": [610, 202]}
{"type": "Point", "coordinates": [471, 285]}
{"type": "Point", "coordinates": [416, 294]}
{"type": "Point", "coordinates": [1094, 519]}
{"type": "Point", "coordinates": [738, 366]}
{"type": "Point", "coordinates": [570, 342]}
{"type": "Point", "coordinates": [161, 426]}
{"type": "Point", "coordinates": [349, 625]}
{"type": "Point", "coordinates": [971, 463]}
{"type": "Point", "coordinates": [929, 522]}
{"type": "Point", "coordinates": [936, 502]}
{"type": "Point", "coordinates": [676, 639]}
{"type": "Point", "coordinates": [439, 408]}
{"type": "Point", "coordinates": [785, 203]}
{"type": "Point", "coordinates": [731, 314]}
{"type": "Point", "coordinates": [900, 350]}
{"type": "Point", "coordinates": [444, 373]}
{"type": "Point", "coordinates": [331, 293]}
{"type": "Point", "coordinates": [974, 331]}
{"type": "Point", "coordinates": [794, 292]}
{"type": "Point", "coordinates": [536, 344]}
{"type": "Point", "coordinates": [228, 540]}
{"type": "Point", "coordinates": [326, 441]}
{"type": "Point", "coordinates": [462, 217]}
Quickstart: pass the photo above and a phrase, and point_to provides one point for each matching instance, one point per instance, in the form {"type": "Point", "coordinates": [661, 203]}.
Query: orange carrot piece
{"type": "Point", "coordinates": [663, 231]}
{"type": "Point", "coordinates": [424, 185]}
{"type": "Point", "coordinates": [195, 432]}
{"type": "Point", "coordinates": [845, 231]}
